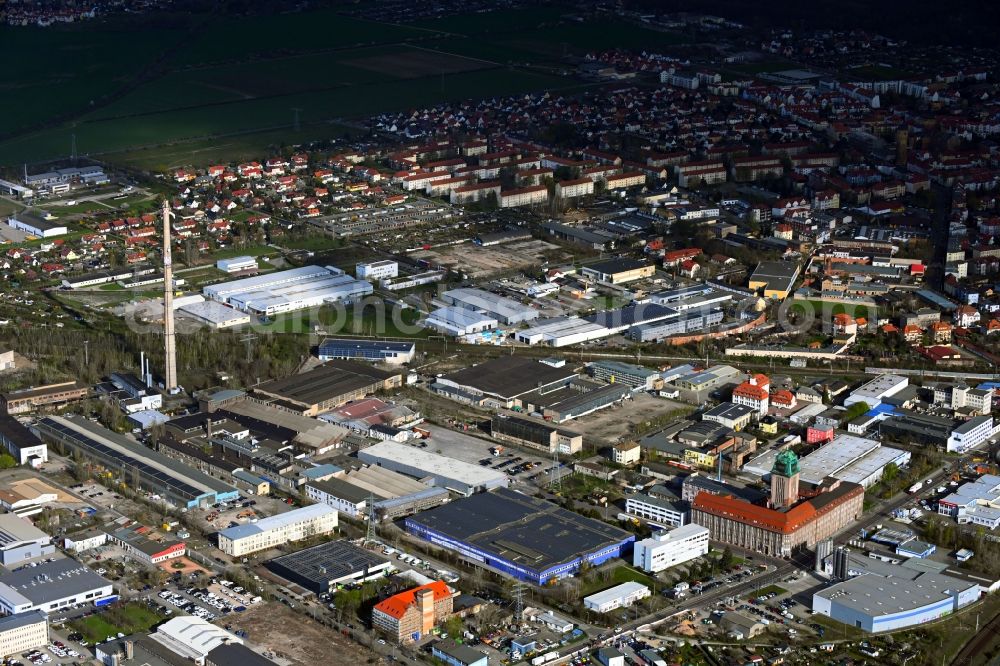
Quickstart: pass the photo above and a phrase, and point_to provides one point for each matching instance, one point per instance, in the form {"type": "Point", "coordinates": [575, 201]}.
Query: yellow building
{"type": "Point", "coordinates": [700, 458]}
{"type": "Point", "coordinates": [618, 271]}
{"type": "Point", "coordinates": [775, 278]}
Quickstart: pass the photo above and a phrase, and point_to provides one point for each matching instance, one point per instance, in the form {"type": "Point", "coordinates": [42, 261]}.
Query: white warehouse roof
{"type": "Point", "coordinates": [458, 321]}
{"type": "Point", "coordinates": [285, 291]}
{"type": "Point", "coordinates": [430, 464]}
{"type": "Point", "coordinates": [613, 593]}
{"type": "Point", "coordinates": [505, 309]}
{"type": "Point", "coordinates": [562, 331]}
{"type": "Point", "coordinates": [192, 638]}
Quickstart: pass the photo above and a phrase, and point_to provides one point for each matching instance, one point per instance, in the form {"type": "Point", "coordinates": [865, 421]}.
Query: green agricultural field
{"type": "Point", "coordinates": [234, 82]}
{"type": "Point", "coordinates": [511, 20]}
{"type": "Point", "coordinates": [261, 37]}
{"type": "Point", "coordinates": [106, 137]}
{"type": "Point", "coordinates": [879, 73]}
{"type": "Point", "coordinates": [216, 88]}
{"type": "Point", "coordinates": [65, 70]}
{"type": "Point", "coordinates": [243, 146]}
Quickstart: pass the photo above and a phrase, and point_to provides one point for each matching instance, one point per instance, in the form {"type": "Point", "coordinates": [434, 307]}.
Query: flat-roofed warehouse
{"type": "Point", "coordinates": [36, 224]}
{"type": "Point", "coordinates": [562, 332]}
{"type": "Point", "coordinates": [380, 351]}
{"type": "Point", "coordinates": [326, 387]}
{"type": "Point", "coordinates": [396, 495]}
{"type": "Point", "coordinates": [894, 596]}
{"type": "Point", "coordinates": [286, 291]}
{"type": "Point", "coordinates": [521, 536]}
{"type": "Point", "coordinates": [578, 398]}
{"type": "Point", "coordinates": [50, 586]}
{"type": "Point", "coordinates": [133, 463]}
{"type": "Point", "coordinates": [536, 434]}
{"type": "Point", "coordinates": [775, 278]}
{"type": "Point", "coordinates": [322, 568]}
{"type": "Point", "coordinates": [461, 477]}
{"type": "Point", "coordinates": [500, 382]}
{"type": "Point", "coordinates": [618, 271]}
{"type": "Point", "coordinates": [214, 314]}
{"type": "Point", "coordinates": [505, 310]}
{"type": "Point", "coordinates": [20, 540]}
{"type": "Point", "coordinates": [850, 458]}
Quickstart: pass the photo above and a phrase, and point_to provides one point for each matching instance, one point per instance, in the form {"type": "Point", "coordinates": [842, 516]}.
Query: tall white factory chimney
{"type": "Point", "coordinates": [169, 343]}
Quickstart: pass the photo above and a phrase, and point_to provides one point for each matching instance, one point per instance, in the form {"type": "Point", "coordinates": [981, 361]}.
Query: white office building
{"type": "Point", "coordinates": [345, 497]}
{"type": "Point", "coordinates": [23, 631]}
{"type": "Point", "coordinates": [271, 532]}
{"type": "Point", "coordinates": [971, 434]}
{"type": "Point", "coordinates": [656, 510]}
{"type": "Point", "coordinates": [666, 549]}
{"type": "Point", "coordinates": [376, 270]}
{"type": "Point", "coordinates": [619, 596]}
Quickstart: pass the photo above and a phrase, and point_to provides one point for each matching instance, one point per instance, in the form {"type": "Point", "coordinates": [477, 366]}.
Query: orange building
{"type": "Point", "coordinates": [410, 615]}
{"type": "Point", "coordinates": [791, 522]}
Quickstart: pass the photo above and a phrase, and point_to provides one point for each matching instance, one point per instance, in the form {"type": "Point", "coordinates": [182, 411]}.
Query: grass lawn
{"type": "Point", "coordinates": [314, 242]}
{"type": "Point", "coordinates": [878, 73]}
{"type": "Point", "coordinates": [9, 207]}
{"type": "Point", "coordinates": [248, 251]}
{"type": "Point", "coordinates": [621, 574]}
{"type": "Point", "coordinates": [73, 66]}
{"type": "Point", "coordinates": [837, 630]}
{"type": "Point", "coordinates": [77, 209]}
{"type": "Point", "coordinates": [259, 36]}
{"type": "Point", "coordinates": [126, 619]}
{"type": "Point", "coordinates": [344, 322]}
{"type": "Point", "coordinates": [629, 575]}
{"type": "Point", "coordinates": [580, 486]}
{"type": "Point", "coordinates": [226, 86]}
{"type": "Point", "coordinates": [510, 20]}
{"type": "Point", "coordinates": [820, 307]}
{"type": "Point", "coordinates": [772, 589]}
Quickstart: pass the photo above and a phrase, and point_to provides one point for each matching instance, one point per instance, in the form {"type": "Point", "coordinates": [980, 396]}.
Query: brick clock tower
{"type": "Point", "coordinates": [785, 480]}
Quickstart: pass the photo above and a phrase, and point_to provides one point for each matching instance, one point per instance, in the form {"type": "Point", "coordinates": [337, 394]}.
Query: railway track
{"type": "Point", "coordinates": [978, 644]}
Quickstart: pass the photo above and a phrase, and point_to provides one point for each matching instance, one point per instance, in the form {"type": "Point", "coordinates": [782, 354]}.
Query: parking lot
{"type": "Point", "coordinates": [516, 463]}
{"type": "Point", "coordinates": [104, 498]}
{"type": "Point", "coordinates": [56, 652]}
{"type": "Point", "coordinates": [219, 598]}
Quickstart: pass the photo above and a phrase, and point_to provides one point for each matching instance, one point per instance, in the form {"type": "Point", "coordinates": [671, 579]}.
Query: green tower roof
{"type": "Point", "coordinates": [786, 464]}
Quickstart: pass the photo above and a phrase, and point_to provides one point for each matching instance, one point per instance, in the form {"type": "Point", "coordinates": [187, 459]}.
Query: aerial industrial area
{"type": "Point", "coordinates": [608, 333]}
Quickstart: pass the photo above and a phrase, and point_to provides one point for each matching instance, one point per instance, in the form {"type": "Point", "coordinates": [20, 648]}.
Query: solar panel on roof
{"type": "Point", "coordinates": [125, 461]}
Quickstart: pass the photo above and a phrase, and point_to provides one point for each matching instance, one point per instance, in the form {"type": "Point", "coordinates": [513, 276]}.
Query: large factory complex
{"type": "Point", "coordinates": [523, 537]}
{"type": "Point", "coordinates": [286, 291]}
{"type": "Point", "coordinates": [880, 596]}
